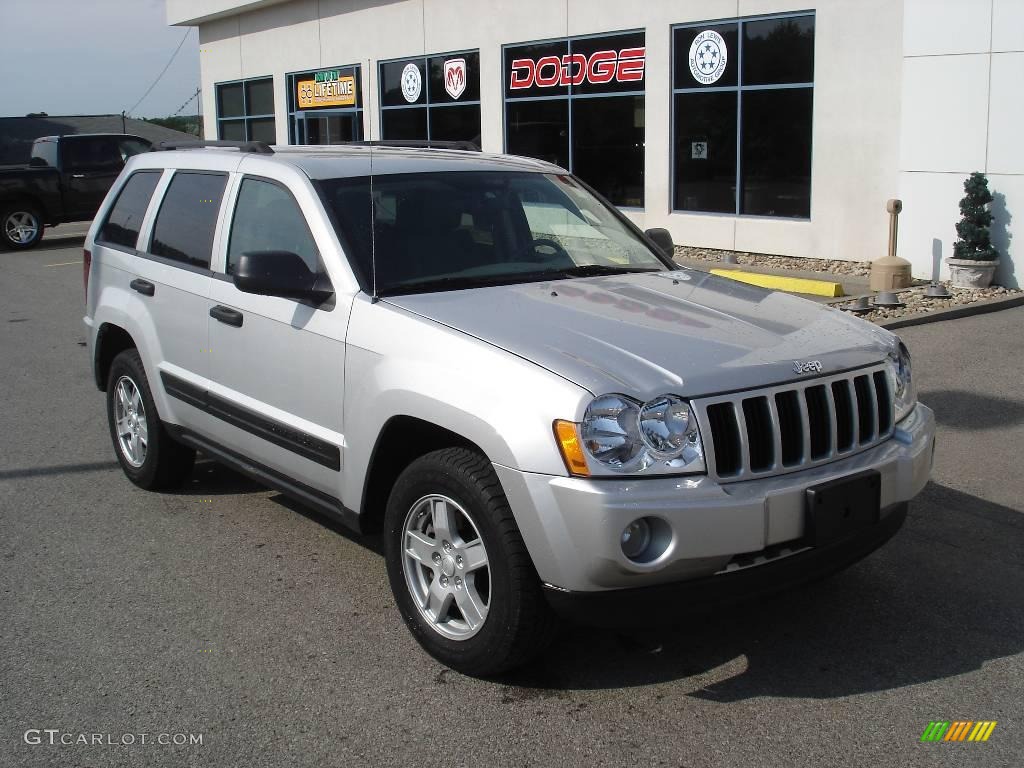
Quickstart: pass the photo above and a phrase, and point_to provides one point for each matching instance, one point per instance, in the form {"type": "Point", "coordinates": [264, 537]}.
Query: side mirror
{"type": "Point", "coordinates": [663, 239]}
{"type": "Point", "coordinates": [280, 273]}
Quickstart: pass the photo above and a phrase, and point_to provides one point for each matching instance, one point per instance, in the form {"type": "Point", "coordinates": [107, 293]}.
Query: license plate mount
{"type": "Point", "coordinates": [842, 507]}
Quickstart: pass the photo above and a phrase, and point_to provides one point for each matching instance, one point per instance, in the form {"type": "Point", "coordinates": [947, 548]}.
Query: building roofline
{"type": "Point", "coordinates": [191, 13]}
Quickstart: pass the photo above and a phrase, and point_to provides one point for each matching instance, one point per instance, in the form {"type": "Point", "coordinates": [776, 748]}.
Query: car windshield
{"type": "Point", "coordinates": [419, 232]}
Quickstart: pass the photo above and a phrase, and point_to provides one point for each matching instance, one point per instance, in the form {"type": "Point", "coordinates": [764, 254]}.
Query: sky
{"type": "Point", "coordinates": [92, 57]}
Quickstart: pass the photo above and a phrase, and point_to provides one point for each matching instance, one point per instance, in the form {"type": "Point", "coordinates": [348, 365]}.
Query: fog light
{"type": "Point", "coordinates": [636, 538]}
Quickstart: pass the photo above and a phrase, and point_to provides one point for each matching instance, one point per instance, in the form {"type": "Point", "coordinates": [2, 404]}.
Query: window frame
{"type": "Point", "coordinates": [427, 104]}
{"type": "Point", "coordinates": [245, 118]}
{"type": "Point", "coordinates": [157, 192]}
{"type": "Point", "coordinates": [569, 97]}
{"type": "Point", "coordinates": [739, 89]}
{"type": "Point", "coordinates": [154, 214]}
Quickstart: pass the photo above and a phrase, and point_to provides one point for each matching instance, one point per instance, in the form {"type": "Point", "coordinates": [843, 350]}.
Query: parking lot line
{"type": "Point", "coordinates": [63, 264]}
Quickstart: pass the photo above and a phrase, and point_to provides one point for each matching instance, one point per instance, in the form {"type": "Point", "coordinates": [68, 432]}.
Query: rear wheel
{"type": "Point", "coordinates": [149, 456]}
{"type": "Point", "coordinates": [21, 227]}
{"type": "Point", "coordinates": [459, 569]}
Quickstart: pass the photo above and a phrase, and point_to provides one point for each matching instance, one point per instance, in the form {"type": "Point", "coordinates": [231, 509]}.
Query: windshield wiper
{"type": "Point", "coordinates": [596, 270]}
{"type": "Point", "coordinates": [454, 283]}
{"type": "Point", "coordinates": [458, 282]}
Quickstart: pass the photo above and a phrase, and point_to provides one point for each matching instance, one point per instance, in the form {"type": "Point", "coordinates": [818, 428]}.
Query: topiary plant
{"type": "Point", "coordinates": [974, 242]}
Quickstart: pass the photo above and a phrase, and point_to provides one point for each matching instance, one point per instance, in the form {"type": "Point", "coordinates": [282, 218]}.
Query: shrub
{"type": "Point", "coordinates": [973, 241]}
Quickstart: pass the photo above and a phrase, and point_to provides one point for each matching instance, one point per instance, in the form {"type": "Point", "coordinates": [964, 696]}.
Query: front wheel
{"type": "Point", "coordinates": [459, 569]}
{"type": "Point", "coordinates": [148, 455]}
{"type": "Point", "coordinates": [21, 227]}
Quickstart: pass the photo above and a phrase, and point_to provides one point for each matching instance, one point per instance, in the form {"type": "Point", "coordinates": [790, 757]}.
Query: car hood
{"type": "Point", "coordinates": [642, 334]}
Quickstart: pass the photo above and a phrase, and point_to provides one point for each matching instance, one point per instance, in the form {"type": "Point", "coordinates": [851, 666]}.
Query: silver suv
{"type": "Point", "coordinates": [480, 359]}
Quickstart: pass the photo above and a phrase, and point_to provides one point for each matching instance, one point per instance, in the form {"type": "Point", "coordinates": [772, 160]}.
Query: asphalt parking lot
{"type": "Point", "coordinates": [226, 610]}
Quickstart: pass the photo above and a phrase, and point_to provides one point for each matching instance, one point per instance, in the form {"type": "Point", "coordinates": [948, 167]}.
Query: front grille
{"type": "Point", "coordinates": [774, 430]}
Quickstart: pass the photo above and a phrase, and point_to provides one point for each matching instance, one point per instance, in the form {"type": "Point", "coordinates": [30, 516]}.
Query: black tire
{"type": "Point", "coordinates": [519, 624]}
{"type": "Point", "coordinates": [13, 214]}
{"type": "Point", "coordinates": [166, 463]}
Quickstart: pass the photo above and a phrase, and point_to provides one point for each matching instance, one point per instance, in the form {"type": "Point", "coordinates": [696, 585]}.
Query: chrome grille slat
{"type": "Point", "coordinates": [741, 422]}
{"type": "Point", "coordinates": [833, 445]}
{"type": "Point", "coordinates": [807, 425]}
{"type": "Point", "coordinates": [773, 414]}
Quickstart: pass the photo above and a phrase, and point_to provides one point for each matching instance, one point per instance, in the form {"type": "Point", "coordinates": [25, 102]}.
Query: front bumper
{"type": "Point", "coordinates": [572, 526]}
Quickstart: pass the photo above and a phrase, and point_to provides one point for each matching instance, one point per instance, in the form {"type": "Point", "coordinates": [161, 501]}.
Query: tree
{"type": "Point", "coordinates": [973, 241]}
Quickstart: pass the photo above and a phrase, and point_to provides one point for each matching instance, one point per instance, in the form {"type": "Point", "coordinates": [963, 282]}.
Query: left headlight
{"type": "Point", "coordinates": [619, 435]}
{"type": "Point", "coordinates": [901, 379]}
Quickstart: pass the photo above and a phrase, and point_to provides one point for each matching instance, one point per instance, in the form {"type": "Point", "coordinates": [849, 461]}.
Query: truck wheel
{"type": "Point", "coordinates": [459, 569]}
{"type": "Point", "coordinates": [21, 227]}
{"type": "Point", "coordinates": [148, 455]}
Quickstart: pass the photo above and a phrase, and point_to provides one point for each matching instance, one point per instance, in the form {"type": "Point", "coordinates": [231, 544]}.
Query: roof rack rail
{"type": "Point", "coordinates": [467, 146]}
{"type": "Point", "coordinates": [256, 147]}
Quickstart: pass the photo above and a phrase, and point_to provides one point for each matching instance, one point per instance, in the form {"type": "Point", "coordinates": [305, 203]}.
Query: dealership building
{"type": "Point", "coordinates": [753, 125]}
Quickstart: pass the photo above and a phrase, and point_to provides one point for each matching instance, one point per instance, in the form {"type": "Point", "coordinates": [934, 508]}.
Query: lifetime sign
{"type": "Point", "coordinates": [327, 89]}
{"type": "Point", "coordinates": [625, 66]}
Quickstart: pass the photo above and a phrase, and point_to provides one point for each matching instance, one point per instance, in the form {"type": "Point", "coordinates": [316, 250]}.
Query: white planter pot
{"type": "Point", "coordinates": [967, 273]}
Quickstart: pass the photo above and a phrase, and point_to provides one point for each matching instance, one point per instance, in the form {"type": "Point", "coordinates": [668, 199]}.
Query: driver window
{"type": "Point", "coordinates": [267, 218]}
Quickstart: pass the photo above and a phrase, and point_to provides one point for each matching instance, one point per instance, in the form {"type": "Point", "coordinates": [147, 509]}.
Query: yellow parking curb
{"type": "Point", "coordinates": [780, 283]}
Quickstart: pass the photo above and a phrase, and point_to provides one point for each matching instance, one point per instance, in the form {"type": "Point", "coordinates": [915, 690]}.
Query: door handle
{"type": "Point", "coordinates": [77, 175]}
{"type": "Point", "coordinates": [227, 315]}
{"type": "Point", "coordinates": [144, 287]}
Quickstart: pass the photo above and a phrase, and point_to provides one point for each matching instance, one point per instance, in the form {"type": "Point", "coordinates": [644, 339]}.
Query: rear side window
{"type": "Point", "coordinates": [188, 217]}
{"type": "Point", "coordinates": [267, 218]}
{"type": "Point", "coordinates": [125, 217]}
{"type": "Point", "coordinates": [97, 154]}
{"type": "Point", "coordinates": [45, 151]}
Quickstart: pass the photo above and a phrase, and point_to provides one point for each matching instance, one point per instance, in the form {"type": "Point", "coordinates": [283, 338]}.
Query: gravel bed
{"type": "Point", "coordinates": [914, 299]}
{"type": "Point", "coordinates": [862, 268]}
{"type": "Point", "coordinates": [916, 302]}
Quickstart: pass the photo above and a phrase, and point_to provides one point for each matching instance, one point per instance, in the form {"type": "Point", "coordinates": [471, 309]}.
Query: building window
{"type": "Point", "coordinates": [245, 110]}
{"type": "Point", "coordinates": [579, 103]}
{"type": "Point", "coordinates": [742, 104]}
{"type": "Point", "coordinates": [435, 98]}
{"type": "Point", "coordinates": [325, 106]}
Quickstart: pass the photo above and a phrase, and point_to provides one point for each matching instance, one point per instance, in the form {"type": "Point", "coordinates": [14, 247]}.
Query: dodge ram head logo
{"type": "Point", "coordinates": [811, 366]}
{"type": "Point", "coordinates": [455, 77]}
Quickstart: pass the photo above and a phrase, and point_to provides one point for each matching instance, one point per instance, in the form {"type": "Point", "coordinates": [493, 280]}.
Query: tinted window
{"type": "Point", "coordinates": [778, 51]}
{"type": "Point", "coordinates": [397, 124]}
{"type": "Point", "coordinates": [539, 129]}
{"type": "Point", "coordinates": [705, 151]}
{"type": "Point", "coordinates": [93, 153]}
{"type": "Point", "coordinates": [230, 102]}
{"type": "Point", "coordinates": [188, 217]}
{"type": "Point", "coordinates": [608, 146]}
{"type": "Point", "coordinates": [707, 56]}
{"type": "Point", "coordinates": [579, 103]}
{"type": "Point", "coordinates": [259, 97]}
{"type": "Point", "coordinates": [131, 147]}
{"type": "Point", "coordinates": [777, 152]}
{"type": "Point", "coordinates": [125, 218]}
{"type": "Point", "coordinates": [267, 218]}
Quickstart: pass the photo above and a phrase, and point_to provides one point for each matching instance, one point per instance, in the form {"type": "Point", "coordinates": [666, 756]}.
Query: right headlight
{"type": "Point", "coordinates": [901, 379]}
{"type": "Point", "coordinates": [623, 436]}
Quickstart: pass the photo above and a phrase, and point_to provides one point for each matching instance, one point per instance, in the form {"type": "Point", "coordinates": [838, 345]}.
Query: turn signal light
{"type": "Point", "coordinates": [572, 450]}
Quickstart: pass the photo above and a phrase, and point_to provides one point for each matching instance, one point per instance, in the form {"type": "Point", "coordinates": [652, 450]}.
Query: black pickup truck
{"type": "Point", "coordinates": [65, 180]}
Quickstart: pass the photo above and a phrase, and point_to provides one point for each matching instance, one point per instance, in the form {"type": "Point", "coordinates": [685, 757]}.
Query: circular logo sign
{"type": "Point", "coordinates": [412, 82]}
{"type": "Point", "coordinates": [708, 57]}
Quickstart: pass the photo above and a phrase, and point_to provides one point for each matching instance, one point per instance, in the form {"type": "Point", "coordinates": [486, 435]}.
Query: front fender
{"type": "Point", "coordinates": [398, 364]}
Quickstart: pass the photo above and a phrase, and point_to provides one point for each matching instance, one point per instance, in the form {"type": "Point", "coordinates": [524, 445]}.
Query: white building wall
{"type": "Point", "coordinates": [858, 58]}
{"type": "Point", "coordinates": [962, 111]}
